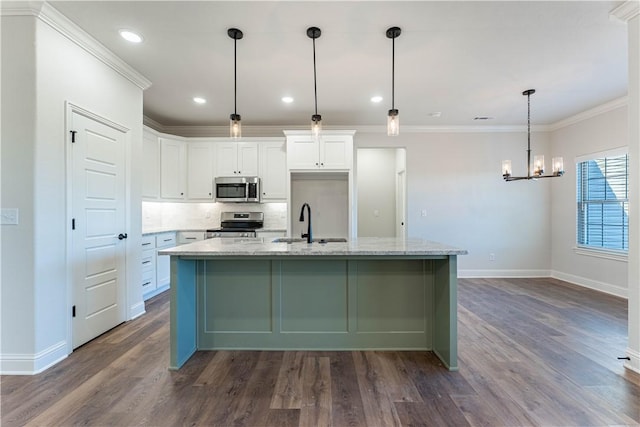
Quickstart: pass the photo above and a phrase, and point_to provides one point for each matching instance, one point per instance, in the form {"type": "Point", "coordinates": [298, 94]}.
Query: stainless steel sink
{"type": "Point", "coordinates": [300, 239]}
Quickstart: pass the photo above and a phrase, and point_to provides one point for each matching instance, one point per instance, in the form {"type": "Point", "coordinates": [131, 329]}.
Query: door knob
{"type": "Point", "coordinates": [122, 236]}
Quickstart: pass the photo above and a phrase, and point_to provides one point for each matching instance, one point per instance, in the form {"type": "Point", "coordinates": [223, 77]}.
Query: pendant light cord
{"type": "Point", "coordinates": [235, 77]}
{"type": "Point", "coordinates": [315, 88]}
{"type": "Point", "coordinates": [528, 134]}
{"type": "Point", "coordinates": [393, 73]}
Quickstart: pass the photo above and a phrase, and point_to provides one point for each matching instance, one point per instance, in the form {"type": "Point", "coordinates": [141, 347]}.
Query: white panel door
{"type": "Point", "coordinates": [98, 212]}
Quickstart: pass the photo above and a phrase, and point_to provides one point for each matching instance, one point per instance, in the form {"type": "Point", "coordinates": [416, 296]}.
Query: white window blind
{"type": "Point", "coordinates": [603, 201]}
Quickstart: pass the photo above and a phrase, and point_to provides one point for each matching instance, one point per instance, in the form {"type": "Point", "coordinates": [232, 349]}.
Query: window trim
{"type": "Point", "coordinates": [595, 251]}
{"type": "Point", "coordinates": [601, 253]}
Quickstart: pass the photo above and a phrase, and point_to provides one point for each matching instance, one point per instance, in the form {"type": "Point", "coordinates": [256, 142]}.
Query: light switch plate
{"type": "Point", "coordinates": [9, 216]}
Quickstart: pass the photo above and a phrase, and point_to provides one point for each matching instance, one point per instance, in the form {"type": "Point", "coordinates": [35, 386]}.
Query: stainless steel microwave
{"type": "Point", "coordinates": [238, 189]}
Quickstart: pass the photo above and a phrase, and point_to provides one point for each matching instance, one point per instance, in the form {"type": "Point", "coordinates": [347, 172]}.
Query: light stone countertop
{"type": "Point", "coordinates": [364, 246]}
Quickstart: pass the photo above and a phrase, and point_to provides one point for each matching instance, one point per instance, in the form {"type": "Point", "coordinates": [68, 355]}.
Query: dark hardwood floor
{"type": "Point", "coordinates": [531, 352]}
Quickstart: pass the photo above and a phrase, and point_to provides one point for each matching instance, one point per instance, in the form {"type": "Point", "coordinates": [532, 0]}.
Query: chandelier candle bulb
{"type": "Point", "coordinates": [538, 164]}
{"type": "Point", "coordinates": [558, 166]}
{"type": "Point", "coordinates": [506, 168]}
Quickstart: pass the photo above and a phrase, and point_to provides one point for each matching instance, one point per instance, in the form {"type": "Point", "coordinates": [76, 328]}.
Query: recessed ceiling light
{"type": "Point", "coordinates": [130, 36]}
{"type": "Point", "coordinates": [287, 99]}
{"type": "Point", "coordinates": [435, 114]}
{"type": "Point", "coordinates": [199, 100]}
{"type": "Point", "coordinates": [376, 99]}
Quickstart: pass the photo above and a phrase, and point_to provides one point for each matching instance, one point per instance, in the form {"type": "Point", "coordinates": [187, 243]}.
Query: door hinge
{"type": "Point", "coordinates": [73, 135]}
{"type": "Point", "coordinates": [73, 223]}
{"type": "Point", "coordinates": [73, 311]}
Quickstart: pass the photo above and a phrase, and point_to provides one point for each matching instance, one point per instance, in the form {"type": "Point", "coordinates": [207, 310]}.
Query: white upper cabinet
{"type": "Point", "coordinates": [172, 169]}
{"type": "Point", "coordinates": [200, 170]}
{"type": "Point", "coordinates": [273, 170]}
{"type": "Point", "coordinates": [236, 159]}
{"type": "Point", "coordinates": [150, 165]}
{"type": "Point", "coordinates": [334, 151]}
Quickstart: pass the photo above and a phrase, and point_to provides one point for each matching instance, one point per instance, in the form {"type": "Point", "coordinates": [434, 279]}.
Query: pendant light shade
{"type": "Point", "coordinates": [235, 125]}
{"type": "Point", "coordinates": [316, 119]}
{"type": "Point", "coordinates": [538, 160]}
{"type": "Point", "coordinates": [393, 118]}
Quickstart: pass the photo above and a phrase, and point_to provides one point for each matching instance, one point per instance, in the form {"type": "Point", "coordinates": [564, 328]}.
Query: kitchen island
{"type": "Point", "coordinates": [369, 293]}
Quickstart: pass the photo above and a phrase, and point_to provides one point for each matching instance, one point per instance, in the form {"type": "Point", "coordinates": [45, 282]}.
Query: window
{"type": "Point", "coordinates": [603, 201]}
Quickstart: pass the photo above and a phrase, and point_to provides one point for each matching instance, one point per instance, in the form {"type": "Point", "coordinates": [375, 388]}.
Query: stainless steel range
{"type": "Point", "coordinates": [237, 224]}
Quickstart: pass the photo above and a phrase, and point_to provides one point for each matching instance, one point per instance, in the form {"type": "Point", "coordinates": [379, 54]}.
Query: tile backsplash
{"type": "Point", "coordinates": [157, 216]}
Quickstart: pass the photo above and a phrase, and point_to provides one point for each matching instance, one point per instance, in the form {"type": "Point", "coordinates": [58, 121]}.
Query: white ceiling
{"type": "Point", "coordinates": [463, 59]}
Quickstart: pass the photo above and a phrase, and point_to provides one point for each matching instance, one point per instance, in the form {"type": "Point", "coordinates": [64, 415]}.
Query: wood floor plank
{"type": "Point", "coordinates": [533, 352]}
{"type": "Point", "coordinates": [378, 408]}
{"type": "Point", "coordinates": [316, 392]}
{"type": "Point", "coordinates": [288, 392]}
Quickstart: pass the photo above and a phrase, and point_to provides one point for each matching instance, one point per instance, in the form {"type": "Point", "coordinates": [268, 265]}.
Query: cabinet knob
{"type": "Point", "coordinates": [316, 163]}
{"type": "Point", "coordinates": [182, 194]}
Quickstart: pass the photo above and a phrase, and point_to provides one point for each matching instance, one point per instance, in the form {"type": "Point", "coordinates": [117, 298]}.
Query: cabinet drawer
{"type": "Point", "coordinates": [190, 236]}
{"type": "Point", "coordinates": [148, 242]}
{"type": "Point", "coordinates": [165, 240]}
{"type": "Point", "coordinates": [148, 281]}
{"type": "Point", "coordinates": [148, 260]}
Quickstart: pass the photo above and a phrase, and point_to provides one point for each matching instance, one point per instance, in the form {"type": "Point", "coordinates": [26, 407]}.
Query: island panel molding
{"type": "Point", "coordinates": [367, 294]}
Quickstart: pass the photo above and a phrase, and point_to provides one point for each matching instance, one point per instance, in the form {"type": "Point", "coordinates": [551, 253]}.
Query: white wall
{"type": "Point", "coordinates": [18, 175]}
{"type": "Point", "coordinates": [456, 179]}
{"type": "Point", "coordinates": [34, 263]}
{"type": "Point", "coordinates": [328, 196]}
{"type": "Point", "coordinates": [599, 133]}
{"type": "Point", "coordinates": [376, 184]}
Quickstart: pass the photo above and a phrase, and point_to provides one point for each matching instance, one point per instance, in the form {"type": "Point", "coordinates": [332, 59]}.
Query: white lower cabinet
{"type": "Point", "coordinates": [185, 237]}
{"type": "Point", "coordinates": [148, 264]}
{"type": "Point", "coordinates": [156, 274]}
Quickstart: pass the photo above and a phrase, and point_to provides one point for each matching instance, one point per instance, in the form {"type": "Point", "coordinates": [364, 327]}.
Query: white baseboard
{"type": "Point", "coordinates": [136, 310]}
{"type": "Point", "coordinates": [503, 273]}
{"type": "Point", "coordinates": [607, 288]}
{"type": "Point", "coordinates": [31, 364]}
{"type": "Point", "coordinates": [634, 362]}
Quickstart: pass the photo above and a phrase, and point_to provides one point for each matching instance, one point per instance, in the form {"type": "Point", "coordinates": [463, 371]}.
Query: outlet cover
{"type": "Point", "coordinates": [9, 216]}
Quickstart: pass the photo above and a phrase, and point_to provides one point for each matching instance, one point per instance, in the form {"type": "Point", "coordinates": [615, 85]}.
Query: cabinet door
{"type": "Point", "coordinates": [247, 158]}
{"type": "Point", "coordinates": [200, 170]}
{"type": "Point", "coordinates": [150, 166]}
{"type": "Point", "coordinates": [336, 152]}
{"type": "Point", "coordinates": [163, 270]}
{"type": "Point", "coordinates": [302, 152]}
{"type": "Point", "coordinates": [172, 169]}
{"type": "Point", "coordinates": [226, 159]}
{"type": "Point", "coordinates": [273, 171]}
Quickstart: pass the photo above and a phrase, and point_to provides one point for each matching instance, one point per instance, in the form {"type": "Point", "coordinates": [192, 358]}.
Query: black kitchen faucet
{"type": "Point", "coordinates": [308, 235]}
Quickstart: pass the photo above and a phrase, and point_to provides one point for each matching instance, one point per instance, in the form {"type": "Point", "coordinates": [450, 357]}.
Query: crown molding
{"type": "Point", "coordinates": [56, 20]}
{"type": "Point", "coordinates": [626, 11]}
{"type": "Point", "coordinates": [587, 114]}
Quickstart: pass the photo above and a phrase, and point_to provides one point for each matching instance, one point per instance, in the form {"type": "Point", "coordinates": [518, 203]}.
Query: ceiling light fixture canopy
{"type": "Point", "coordinates": [316, 119]}
{"type": "Point", "coordinates": [538, 161]}
{"type": "Point", "coordinates": [235, 125]}
{"type": "Point", "coordinates": [393, 118]}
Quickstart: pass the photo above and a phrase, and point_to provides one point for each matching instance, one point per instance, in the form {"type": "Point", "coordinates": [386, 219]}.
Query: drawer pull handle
{"type": "Point", "coordinates": [146, 244]}
{"type": "Point", "coordinates": [190, 238]}
{"type": "Point", "coordinates": [168, 240]}
{"type": "Point", "coordinates": [146, 262]}
{"type": "Point", "coordinates": [146, 283]}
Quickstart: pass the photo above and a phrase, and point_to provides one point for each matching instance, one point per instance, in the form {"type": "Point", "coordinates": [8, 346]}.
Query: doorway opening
{"type": "Point", "coordinates": [381, 192]}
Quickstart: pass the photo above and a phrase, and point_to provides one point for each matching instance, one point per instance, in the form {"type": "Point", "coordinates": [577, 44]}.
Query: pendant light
{"type": "Point", "coordinates": [235, 125]}
{"type": "Point", "coordinates": [538, 161]}
{"type": "Point", "coordinates": [393, 119]}
{"type": "Point", "coordinates": [316, 119]}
